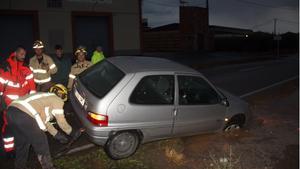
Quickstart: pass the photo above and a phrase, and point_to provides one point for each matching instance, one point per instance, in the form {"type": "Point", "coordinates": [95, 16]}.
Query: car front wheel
{"type": "Point", "coordinates": [122, 145]}
{"type": "Point", "coordinates": [235, 123]}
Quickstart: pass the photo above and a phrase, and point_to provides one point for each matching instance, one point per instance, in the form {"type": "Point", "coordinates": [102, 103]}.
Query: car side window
{"type": "Point", "coordinates": [154, 90]}
{"type": "Point", "coordinates": [196, 91]}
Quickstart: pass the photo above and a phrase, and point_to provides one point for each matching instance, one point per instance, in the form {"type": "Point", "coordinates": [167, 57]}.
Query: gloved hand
{"type": "Point", "coordinates": [61, 138]}
{"type": "Point", "coordinates": [75, 134]}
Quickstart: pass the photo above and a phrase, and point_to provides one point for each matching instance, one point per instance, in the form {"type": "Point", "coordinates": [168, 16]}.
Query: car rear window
{"type": "Point", "coordinates": [101, 78]}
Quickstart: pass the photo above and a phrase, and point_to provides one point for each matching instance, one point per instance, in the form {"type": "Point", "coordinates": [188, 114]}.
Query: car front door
{"type": "Point", "coordinates": [198, 107]}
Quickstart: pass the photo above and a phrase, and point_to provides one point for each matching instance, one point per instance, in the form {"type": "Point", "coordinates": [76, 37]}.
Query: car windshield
{"type": "Point", "coordinates": [101, 78]}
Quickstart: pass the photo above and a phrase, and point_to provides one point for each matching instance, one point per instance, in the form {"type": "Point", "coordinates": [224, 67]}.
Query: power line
{"type": "Point", "coordinates": [162, 4]}
{"type": "Point", "coordinates": [287, 21]}
{"type": "Point", "coordinates": [264, 5]}
{"type": "Point", "coordinates": [171, 5]}
{"type": "Point", "coordinates": [262, 24]}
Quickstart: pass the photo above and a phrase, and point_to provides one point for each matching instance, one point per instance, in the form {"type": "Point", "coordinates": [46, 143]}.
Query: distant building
{"type": "Point", "coordinates": [192, 33]}
{"type": "Point", "coordinates": [222, 31]}
{"type": "Point", "coordinates": [113, 24]}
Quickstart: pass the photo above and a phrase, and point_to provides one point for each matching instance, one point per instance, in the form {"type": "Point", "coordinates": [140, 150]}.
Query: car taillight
{"type": "Point", "coordinates": [98, 119]}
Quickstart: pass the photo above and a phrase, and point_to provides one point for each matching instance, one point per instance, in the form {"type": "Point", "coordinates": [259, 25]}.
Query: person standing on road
{"type": "Point", "coordinates": [98, 55]}
{"type": "Point", "coordinates": [80, 65]}
{"type": "Point", "coordinates": [30, 117]}
{"type": "Point", "coordinates": [16, 80]}
{"type": "Point", "coordinates": [63, 64]}
{"type": "Point", "coordinates": [42, 67]}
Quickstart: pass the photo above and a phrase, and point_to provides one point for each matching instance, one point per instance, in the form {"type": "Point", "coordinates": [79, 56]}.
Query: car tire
{"type": "Point", "coordinates": [233, 125]}
{"type": "Point", "coordinates": [122, 145]}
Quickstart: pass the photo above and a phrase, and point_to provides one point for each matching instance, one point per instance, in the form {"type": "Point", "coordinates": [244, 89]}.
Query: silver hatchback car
{"type": "Point", "coordinates": [125, 101]}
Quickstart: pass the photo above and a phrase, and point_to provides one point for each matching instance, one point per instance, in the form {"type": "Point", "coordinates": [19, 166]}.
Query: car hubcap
{"type": "Point", "coordinates": [232, 127]}
{"type": "Point", "coordinates": [123, 144]}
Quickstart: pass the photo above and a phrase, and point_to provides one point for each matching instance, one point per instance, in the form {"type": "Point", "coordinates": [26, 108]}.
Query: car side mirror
{"type": "Point", "coordinates": [225, 102]}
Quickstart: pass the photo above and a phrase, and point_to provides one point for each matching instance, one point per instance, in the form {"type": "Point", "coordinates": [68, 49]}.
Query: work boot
{"type": "Point", "coordinates": [46, 161]}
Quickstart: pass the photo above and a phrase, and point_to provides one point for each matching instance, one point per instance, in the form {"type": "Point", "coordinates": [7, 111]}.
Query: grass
{"type": "Point", "coordinates": [97, 159]}
{"type": "Point", "coordinates": [146, 157]}
{"type": "Point", "coordinates": [162, 154]}
{"type": "Point", "coordinates": [228, 161]}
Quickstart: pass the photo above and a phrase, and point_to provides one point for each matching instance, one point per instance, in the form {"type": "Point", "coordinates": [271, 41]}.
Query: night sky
{"type": "Point", "coordinates": [257, 15]}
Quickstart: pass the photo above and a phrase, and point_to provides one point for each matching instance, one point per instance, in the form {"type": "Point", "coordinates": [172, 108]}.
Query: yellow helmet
{"type": "Point", "coordinates": [60, 90]}
{"type": "Point", "coordinates": [38, 44]}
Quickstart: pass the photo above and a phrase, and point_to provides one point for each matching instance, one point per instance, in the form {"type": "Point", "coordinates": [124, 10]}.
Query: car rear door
{"type": "Point", "coordinates": [198, 107]}
{"type": "Point", "coordinates": [148, 104]}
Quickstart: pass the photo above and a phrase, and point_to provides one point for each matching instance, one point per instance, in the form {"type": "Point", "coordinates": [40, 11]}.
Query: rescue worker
{"type": "Point", "coordinates": [97, 55]}
{"type": "Point", "coordinates": [30, 117]}
{"type": "Point", "coordinates": [80, 65]}
{"type": "Point", "coordinates": [42, 67]}
{"type": "Point", "coordinates": [63, 64]}
{"type": "Point", "coordinates": [16, 80]}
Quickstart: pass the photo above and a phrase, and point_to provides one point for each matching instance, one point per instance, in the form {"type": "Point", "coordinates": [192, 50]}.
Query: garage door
{"type": "Point", "coordinates": [91, 31]}
{"type": "Point", "coordinates": [17, 29]}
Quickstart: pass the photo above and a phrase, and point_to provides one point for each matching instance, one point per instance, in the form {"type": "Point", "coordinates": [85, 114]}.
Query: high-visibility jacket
{"type": "Point", "coordinates": [76, 69]}
{"type": "Point", "coordinates": [97, 57]}
{"type": "Point", "coordinates": [40, 73]}
{"type": "Point", "coordinates": [44, 107]}
{"type": "Point", "coordinates": [16, 80]}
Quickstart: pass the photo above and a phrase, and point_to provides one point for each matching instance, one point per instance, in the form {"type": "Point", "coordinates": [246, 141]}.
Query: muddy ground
{"type": "Point", "coordinates": [271, 141]}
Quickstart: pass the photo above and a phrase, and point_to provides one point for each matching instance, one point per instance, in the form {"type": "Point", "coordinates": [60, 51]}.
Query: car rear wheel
{"type": "Point", "coordinates": [122, 145]}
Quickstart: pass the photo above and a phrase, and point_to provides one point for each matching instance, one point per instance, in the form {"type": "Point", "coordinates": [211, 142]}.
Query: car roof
{"type": "Point", "coordinates": [134, 64]}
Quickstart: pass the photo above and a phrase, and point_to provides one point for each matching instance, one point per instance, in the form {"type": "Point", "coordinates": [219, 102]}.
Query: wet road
{"type": "Point", "coordinates": [245, 78]}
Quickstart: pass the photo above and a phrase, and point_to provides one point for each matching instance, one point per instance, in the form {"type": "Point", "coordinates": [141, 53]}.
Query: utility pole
{"type": "Point", "coordinates": [275, 25]}
{"type": "Point", "coordinates": [276, 37]}
{"type": "Point", "coordinates": [207, 7]}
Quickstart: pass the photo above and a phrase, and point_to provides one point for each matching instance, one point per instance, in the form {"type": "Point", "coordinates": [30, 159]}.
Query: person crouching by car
{"type": "Point", "coordinates": [30, 118]}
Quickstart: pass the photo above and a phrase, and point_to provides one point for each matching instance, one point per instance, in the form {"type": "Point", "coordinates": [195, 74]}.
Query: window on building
{"type": "Point", "coordinates": [154, 90]}
{"type": "Point", "coordinates": [54, 3]}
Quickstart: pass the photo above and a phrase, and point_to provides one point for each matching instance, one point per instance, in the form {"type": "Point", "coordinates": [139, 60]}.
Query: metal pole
{"type": "Point", "coordinates": [207, 7]}
{"type": "Point", "coordinates": [275, 25]}
{"type": "Point", "coordinates": [278, 48]}
{"type": "Point", "coordinates": [276, 37]}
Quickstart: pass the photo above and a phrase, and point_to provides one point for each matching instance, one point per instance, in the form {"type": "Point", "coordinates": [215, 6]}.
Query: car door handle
{"type": "Point", "coordinates": [175, 112]}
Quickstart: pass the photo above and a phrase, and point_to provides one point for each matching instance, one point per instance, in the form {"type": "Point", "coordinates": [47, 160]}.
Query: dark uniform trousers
{"type": "Point", "coordinates": [27, 133]}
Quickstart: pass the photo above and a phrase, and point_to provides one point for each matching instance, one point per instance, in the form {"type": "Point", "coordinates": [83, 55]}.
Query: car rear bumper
{"type": "Point", "coordinates": [97, 135]}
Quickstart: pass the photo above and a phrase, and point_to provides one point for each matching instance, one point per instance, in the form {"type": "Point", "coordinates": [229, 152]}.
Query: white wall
{"type": "Point", "coordinates": [125, 14]}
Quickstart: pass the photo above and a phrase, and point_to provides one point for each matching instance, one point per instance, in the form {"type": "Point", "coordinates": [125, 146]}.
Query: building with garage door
{"type": "Point", "coordinates": [112, 24]}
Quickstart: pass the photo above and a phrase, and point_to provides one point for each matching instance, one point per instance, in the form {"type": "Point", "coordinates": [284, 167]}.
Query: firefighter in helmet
{"type": "Point", "coordinates": [30, 118]}
{"type": "Point", "coordinates": [42, 67]}
{"type": "Point", "coordinates": [80, 65]}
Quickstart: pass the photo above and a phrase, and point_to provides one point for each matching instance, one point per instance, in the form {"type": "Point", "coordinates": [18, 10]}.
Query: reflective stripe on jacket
{"type": "Point", "coordinates": [43, 107]}
{"type": "Point", "coordinates": [76, 69]}
{"type": "Point", "coordinates": [40, 73]}
{"type": "Point", "coordinates": [17, 80]}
